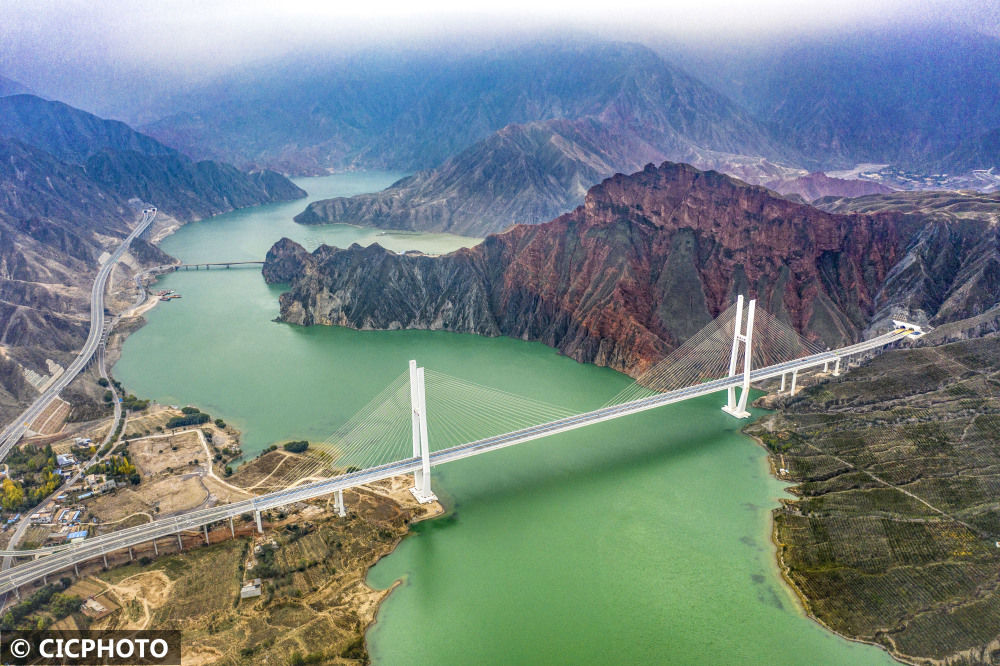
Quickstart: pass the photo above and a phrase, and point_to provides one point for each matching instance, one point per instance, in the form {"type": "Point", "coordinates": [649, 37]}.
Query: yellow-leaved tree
{"type": "Point", "coordinates": [13, 494]}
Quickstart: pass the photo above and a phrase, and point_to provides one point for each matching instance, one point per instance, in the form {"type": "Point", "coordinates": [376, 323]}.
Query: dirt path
{"type": "Point", "coordinates": [150, 588]}
{"type": "Point", "coordinates": [276, 468]}
{"type": "Point", "coordinates": [137, 513]}
{"type": "Point", "coordinates": [211, 470]}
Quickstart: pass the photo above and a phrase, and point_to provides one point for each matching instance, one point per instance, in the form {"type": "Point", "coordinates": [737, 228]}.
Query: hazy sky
{"type": "Point", "coordinates": [76, 48]}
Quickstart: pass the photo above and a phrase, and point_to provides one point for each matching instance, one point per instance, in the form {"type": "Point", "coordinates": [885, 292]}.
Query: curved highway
{"type": "Point", "coordinates": [13, 432]}
{"type": "Point", "coordinates": [99, 546]}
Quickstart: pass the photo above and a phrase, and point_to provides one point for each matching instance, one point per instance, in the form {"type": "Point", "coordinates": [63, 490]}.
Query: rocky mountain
{"type": "Point", "coordinates": [413, 113]}
{"type": "Point", "coordinates": [951, 270]}
{"type": "Point", "coordinates": [187, 190]}
{"type": "Point", "coordinates": [118, 160]}
{"type": "Point", "coordinates": [69, 134]}
{"type": "Point", "coordinates": [38, 185]}
{"type": "Point", "coordinates": [52, 220]}
{"type": "Point", "coordinates": [643, 264]}
{"type": "Point", "coordinates": [818, 184]}
{"type": "Point", "coordinates": [523, 173]}
{"type": "Point", "coordinates": [531, 172]}
{"type": "Point", "coordinates": [526, 174]}
{"type": "Point", "coordinates": [71, 186]}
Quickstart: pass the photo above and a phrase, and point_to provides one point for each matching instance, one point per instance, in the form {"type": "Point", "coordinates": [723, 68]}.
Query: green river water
{"type": "Point", "coordinates": [641, 540]}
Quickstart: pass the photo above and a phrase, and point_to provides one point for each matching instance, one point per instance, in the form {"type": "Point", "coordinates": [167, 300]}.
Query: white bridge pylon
{"type": "Point", "coordinates": [421, 446]}
{"type": "Point", "coordinates": [739, 409]}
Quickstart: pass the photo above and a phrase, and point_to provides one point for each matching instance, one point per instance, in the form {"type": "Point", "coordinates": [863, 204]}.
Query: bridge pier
{"type": "Point", "coordinates": [260, 527]}
{"type": "Point", "coordinates": [421, 447]}
{"type": "Point", "coordinates": [732, 407]}
{"type": "Point", "coordinates": [206, 534]}
{"type": "Point", "coordinates": [782, 389]}
{"type": "Point", "coordinates": [339, 504]}
{"type": "Point", "coordinates": [180, 543]}
{"type": "Point", "coordinates": [795, 379]}
{"type": "Point", "coordinates": [232, 528]}
{"type": "Point", "coordinates": [836, 367]}
{"type": "Point", "coordinates": [156, 551]}
{"type": "Point", "coordinates": [76, 570]}
{"type": "Point", "coordinates": [826, 366]}
{"type": "Point", "coordinates": [131, 556]}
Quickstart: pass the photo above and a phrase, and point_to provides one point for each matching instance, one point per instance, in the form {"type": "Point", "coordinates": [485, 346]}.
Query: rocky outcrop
{"type": "Point", "coordinates": [285, 261]}
{"type": "Point", "coordinates": [951, 270]}
{"type": "Point", "coordinates": [643, 264]}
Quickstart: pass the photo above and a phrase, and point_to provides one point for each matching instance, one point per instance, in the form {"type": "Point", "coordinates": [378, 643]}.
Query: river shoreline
{"type": "Point", "coordinates": [203, 350]}
{"type": "Point", "coordinates": [135, 321]}
{"type": "Point", "coordinates": [801, 598]}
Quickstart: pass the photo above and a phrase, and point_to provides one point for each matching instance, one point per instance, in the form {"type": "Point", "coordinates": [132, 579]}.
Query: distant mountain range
{"type": "Point", "coordinates": [910, 97]}
{"type": "Point", "coordinates": [977, 152]}
{"type": "Point", "coordinates": [71, 185]}
{"type": "Point", "coordinates": [637, 109]}
{"type": "Point", "coordinates": [416, 114]}
{"type": "Point", "coordinates": [518, 136]}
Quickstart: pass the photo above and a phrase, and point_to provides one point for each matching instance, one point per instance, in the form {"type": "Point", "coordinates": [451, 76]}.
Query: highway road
{"type": "Point", "coordinates": [25, 522]}
{"type": "Point", "coordinates": [100, 545]}
{"type": "Point", "coordinates": [14, 431]}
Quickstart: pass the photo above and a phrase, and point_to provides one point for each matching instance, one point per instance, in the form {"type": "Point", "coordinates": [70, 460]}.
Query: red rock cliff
{"type": "Point", "coordinates": [645, 262]}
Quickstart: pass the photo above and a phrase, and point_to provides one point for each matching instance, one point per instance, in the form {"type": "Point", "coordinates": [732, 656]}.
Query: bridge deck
{"type": "Point", "coordinates": [209, 265]}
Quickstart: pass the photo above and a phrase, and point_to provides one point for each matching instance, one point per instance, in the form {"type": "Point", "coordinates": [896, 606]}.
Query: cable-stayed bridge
{"type": "Point", "coordinates": [392, 434]}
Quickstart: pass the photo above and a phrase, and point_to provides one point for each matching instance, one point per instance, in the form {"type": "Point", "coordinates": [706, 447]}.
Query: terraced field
{"type": "Point", "coordinates": [315, 601]}
{"type": "Point", "coordinates": [892, 537]}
